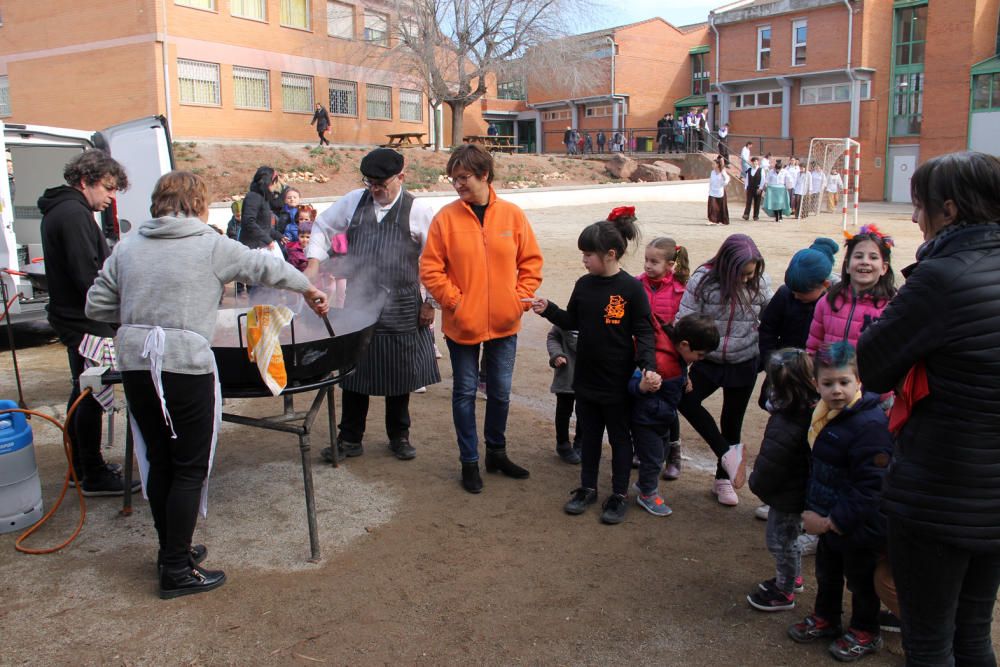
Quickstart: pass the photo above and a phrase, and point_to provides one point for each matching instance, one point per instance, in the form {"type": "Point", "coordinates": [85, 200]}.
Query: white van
{"type": "Point", "coordinates": [38, 155]}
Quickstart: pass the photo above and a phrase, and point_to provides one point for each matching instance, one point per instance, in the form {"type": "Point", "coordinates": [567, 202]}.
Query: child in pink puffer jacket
{"type": "Point", "coordinates": [866, 286]}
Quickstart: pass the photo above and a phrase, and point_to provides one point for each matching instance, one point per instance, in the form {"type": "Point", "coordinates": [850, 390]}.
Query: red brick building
{"type": "Point", "coordinates": [890, 74]}
{"type": "Point", "coordinates": [625, 78]}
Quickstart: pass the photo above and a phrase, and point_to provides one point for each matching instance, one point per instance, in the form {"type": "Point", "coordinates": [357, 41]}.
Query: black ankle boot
{"type": "Point", "coordinates": [497, 461]}
{"type": "Point", "coordinates": [471, 481]}
{"type": "Point", "coordinates": [189, 582]}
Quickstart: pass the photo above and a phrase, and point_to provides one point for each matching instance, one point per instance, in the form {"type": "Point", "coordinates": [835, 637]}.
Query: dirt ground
{"type": "Point", "coordinates": [415, 570]}
{"type": "Point", "coordinates": [228, 167]}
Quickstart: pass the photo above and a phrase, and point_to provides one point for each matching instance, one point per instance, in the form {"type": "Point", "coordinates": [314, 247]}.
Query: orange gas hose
{"type": "Point", "coordinates": [68, 449]}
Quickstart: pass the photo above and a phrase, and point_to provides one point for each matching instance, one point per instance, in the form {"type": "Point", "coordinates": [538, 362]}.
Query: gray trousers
{"type": "Point", "coordinates": [783, 530]}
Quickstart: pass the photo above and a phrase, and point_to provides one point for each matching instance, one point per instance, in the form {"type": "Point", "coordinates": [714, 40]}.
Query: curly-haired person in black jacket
{"type": "Point", "coordinates": [938, 344]}
{"type": "Point", "coordinates": [781, 473]}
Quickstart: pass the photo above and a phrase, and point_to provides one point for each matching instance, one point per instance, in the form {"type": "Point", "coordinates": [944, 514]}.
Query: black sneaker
{"type": "Point", "coordinates": [888, 621]}
{"type": "Point", "coordinates": [773, 583]}
{"type": "Point", "coordinates": [568, 453]}
{"type": "Point", "coordinates": [854, 645]}
{"type": "Point", "coordinates": [582, 498]}
{"type": "Point", "coordinates": [107, 483]}
{"type": "Point", "coordinates": [811, 628]}
{"type": "Point", "coordinates": [349, 449]}
{"type": "Point", "coordinates": [402, 449]}
{"type": "Point", "coordinates": [113, 467]}
{"type": "Point", "coordinates": [767, 597]}
{"type": "Point", "coordinates": [614, 509]}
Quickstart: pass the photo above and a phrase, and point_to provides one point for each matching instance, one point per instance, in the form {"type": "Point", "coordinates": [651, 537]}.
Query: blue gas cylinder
{"type": "Point", "coordinates": [20, 488]}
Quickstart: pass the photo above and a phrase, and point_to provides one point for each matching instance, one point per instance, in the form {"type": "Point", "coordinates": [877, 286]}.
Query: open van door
{"type": "Point", "coordinates": [40, 154]}
{"type": "Point", "coordinates": [8, 253]}
{"type": "Point", "coordinates": [143, 147]}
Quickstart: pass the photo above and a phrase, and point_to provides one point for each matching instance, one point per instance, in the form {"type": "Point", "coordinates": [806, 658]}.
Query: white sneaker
{"type": "Point", "coordinates": [421, 390]}
{"type": "Point", "coordinates": [733, 462]}
{"type": "Point", "coordinates": [724, 491]}
{"type": "Point", "coordinates": [808, 543]}
{"type": "Point", "coordinates": [762, 512]}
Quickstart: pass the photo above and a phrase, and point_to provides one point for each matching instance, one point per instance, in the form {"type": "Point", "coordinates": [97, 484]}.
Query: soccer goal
{"type": "Point", "coordinates": [836, 188]}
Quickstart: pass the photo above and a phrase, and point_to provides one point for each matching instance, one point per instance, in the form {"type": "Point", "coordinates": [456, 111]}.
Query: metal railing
{"type": "Point", "coordinates": [646, 140]}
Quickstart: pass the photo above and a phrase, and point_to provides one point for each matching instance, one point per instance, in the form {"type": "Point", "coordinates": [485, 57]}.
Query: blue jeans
{"type": "Point", "coordinates": [498, 362]}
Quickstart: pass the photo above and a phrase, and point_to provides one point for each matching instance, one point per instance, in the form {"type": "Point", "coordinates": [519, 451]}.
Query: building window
{"type": "Point", "coordinates": [249, 9]}
{"type": "Point", "coordinates": [764, 48]}
{"type": "Point", "coordinates": [340, 20]}
{"type": "Point", "coordinates": [985, 92]}
{"type": "Point", "coordinates": [378, 101]}
{"type": "Point", "coordinates": [595, 112]}
{"type": "Point", "coordinates": [908, 104]}
{"type": "Point", "coordinates": [556, 115]}
{"type": "Point", "coordinates": [197, 4]}
{"type": "Point", "coordinates": [4, 96]}
{"type": "Point", "coordinates": [377, 28]}
{"type": "Point", "coordinates": [837, 92]}
{"type": "Point", "coordinates": [295, 14]}
{"type": "Point", "coordinates": [766, 98]}
{"type": "Point", "coordinates": [411, 105]}
{"type": "Point", "coordinates": [699, 73]}
{"type": "Point", "coordinates": [251, 88]}
{"type": "Point", "coordinates": [909, 36]}
{"type": "Point", "coordinates": [511, 90]}
{"type": "Point", "coordinates": [799, 29]}
{"type": "Point", "coordinates": [198, 82]}
{"type": "Point", "coordinates": [296, 93]}
{"type": "Point", "coordinates": [343, 98]}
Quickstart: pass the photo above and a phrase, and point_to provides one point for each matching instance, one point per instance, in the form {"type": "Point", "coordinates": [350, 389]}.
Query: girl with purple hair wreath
{"type": "Point", "coordinates": [732, 289]}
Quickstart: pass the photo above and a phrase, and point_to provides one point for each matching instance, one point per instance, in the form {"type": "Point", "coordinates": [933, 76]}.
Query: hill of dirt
{"type": "Point", "coordinates": [327, 171]}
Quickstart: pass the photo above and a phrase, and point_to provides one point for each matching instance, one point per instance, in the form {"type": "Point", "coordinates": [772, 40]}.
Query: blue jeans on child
{"type": "Point", "coordinates": [498, 363]}
{"type": "Point", "coordinates": [649, 448]}
{"type": "Point", "coordinates": [782, 535]}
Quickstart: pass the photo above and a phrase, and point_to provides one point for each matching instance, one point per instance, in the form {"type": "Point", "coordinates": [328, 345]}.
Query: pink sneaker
{"type": "Point", "coordinates": [734, 463]}
{"type": "Point", "coordinates": [724, 491]}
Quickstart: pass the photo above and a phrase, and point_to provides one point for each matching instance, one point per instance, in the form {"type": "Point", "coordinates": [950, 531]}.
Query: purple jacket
{"type": "Point", "coordinates": [845, 320]}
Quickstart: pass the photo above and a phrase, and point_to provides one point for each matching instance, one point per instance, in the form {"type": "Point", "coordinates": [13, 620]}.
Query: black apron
{"type": "Point", "coordinates": [400, 357]}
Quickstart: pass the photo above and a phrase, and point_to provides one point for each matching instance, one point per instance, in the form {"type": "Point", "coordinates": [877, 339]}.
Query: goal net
{"type": "Point", "coordinates": [832, 186]}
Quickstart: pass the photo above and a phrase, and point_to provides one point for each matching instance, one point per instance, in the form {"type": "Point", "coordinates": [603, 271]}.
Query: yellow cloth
{"type": "Point", "coordinates": [823, 415]}
{"type": "Point", "coordinates": [264, 324]}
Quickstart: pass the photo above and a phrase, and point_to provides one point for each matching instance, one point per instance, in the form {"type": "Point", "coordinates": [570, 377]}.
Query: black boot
{"type": "Point", "coordinates": [497, 461]}
{"type": "Point", "coordinates": [189, 582]}
{"type": "Point", "coordinates": [471, 481]}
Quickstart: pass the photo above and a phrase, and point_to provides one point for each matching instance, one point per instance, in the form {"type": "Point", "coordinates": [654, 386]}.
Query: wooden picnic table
{"type": "Point", "coordinates": [405, 140]}
{"type": "Point", "coordinates": [494, 142]}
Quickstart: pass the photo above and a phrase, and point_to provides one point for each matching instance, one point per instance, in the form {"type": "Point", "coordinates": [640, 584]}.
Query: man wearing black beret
{"type": "Point", "coordinates": [386, 231]}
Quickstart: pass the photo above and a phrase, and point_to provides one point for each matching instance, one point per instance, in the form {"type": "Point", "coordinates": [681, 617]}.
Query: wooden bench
{"type": "Point", "coordinates": [406, 140]}
{"type": "Point", "coordinates": [503, 143]}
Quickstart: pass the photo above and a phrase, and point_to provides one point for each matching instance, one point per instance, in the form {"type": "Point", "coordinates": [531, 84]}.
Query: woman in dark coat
{"type": "Point", "coordinates": [322, 121]}
{"type": "Point", "coordinates": [257, 229]}
{"type": "Point", "coordinates": [937, 344]}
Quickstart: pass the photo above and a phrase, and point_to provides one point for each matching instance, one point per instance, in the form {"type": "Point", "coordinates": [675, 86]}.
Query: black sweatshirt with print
{"type": "Point", "coordinates": [609, 312]}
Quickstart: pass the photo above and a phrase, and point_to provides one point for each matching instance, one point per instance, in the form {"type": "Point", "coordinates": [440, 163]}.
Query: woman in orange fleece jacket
{"type": "Point", "coordinates": [483, 265]}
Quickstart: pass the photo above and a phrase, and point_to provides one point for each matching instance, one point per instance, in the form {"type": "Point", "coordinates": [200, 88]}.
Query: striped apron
{"type": "Point", "coordinates": [400, 357]}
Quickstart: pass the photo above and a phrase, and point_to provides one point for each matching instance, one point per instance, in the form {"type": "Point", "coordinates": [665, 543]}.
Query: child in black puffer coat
{"type": "Point", "coordinates": [852, 449]}
{"type": "Point", "coordinates": [781, 473]}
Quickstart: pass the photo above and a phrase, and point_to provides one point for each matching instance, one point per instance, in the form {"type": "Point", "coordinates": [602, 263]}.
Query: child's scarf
{"type": "Point", "coordinates": [823, 415]}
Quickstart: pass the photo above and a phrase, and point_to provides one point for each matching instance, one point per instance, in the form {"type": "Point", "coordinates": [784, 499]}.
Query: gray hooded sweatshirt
{"type": "Point", "coordinates": [171, 273]}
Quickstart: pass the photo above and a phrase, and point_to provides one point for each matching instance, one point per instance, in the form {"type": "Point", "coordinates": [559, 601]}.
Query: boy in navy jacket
{"type": "Point", "coordinates": [851, 449]}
